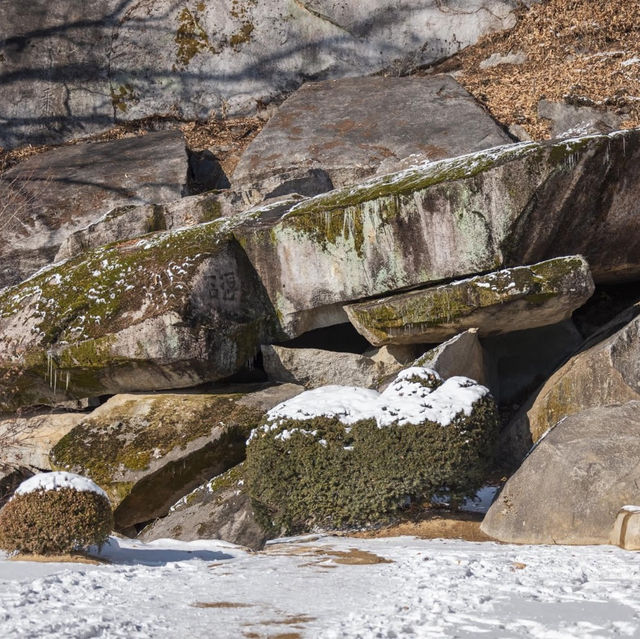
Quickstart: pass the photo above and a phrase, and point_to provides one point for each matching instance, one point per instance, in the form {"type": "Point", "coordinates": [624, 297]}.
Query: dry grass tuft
{"type": "Point", "coordinates": [434, 526]}
{"type": "Point", "coordinates": [576, 52]}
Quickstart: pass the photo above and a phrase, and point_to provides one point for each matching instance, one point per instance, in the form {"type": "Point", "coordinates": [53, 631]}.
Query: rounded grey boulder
{"type": "Point", "coordinates": [572, 485]}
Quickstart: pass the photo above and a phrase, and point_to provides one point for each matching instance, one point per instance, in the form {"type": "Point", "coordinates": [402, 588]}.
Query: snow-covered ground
{"type": "Point", "coordinates": [304, 588]}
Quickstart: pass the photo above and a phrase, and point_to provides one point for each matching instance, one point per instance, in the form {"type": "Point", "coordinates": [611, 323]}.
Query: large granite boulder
{"type": "Point", "coordinates": [212, 293]}
{"type": "Point", "coordinates": [571, 487]}
{"type": "Point", "coordinates": [605, 371]}
{"type": "Point", "coordinates": [313, 367]}
{"type": "Point", "coordinates": [131, 221]}
{"type": "Point", "coordinates": [28, 440]}
{"type": "Point", "coordinates": [170, 311]}
{"type": "Point", "coordinates": [49, 196]}
{"type": "Point", "coordinates": [343, 456]}
{"type": "Point", "coordinates": [336, 133]}
{"type": "Point", "coordinates": [504, 207]}
{"type": "Point", "coordinates": [218, 509]}
{"type": "Point", "coordinates": [500, 302]}
{"type": "Point", "coordinates": [70, 68]}
{"type": "Point", "coordinates": [147, 451]}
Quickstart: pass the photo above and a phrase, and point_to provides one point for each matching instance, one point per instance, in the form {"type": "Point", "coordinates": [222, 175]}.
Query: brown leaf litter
{"type": "Point", "coordinates": [581, 52]}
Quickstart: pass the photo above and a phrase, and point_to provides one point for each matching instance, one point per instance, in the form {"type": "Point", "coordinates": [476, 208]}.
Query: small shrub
{"type": "Point", "coordinates": [322, 472]}
{"type": "Point", "coordinates": [47, 522]}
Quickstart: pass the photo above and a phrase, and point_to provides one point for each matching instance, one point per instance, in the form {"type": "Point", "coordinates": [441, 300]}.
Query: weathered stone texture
{"type": "Point", "coordinates": [219, 509]}
{"type": "Point", "coordinates": [513, 205]}
{"type": "Point", "coordinates": [147, 451]}
{"type": "Point", "coordinates": [571, 487]}
{"type": "Point", "coordinates": [335, 133]}
{"type": "Point", "coordinates": [461, 355]}
{"type": "Point", "coordinates": [70, 68]}
{"type": "Point", "coordinates": [313, 367]}
{"type": "Point", "coordinates": [28, 440]}
{"type": "Point", "coordinates": [169, 311]}
{"type": "Point", "coordinates": [500, 302]}
{"type": "Point", "coordinates": [626, 529]}
{"type": "Point", "coordinates": [603, 372]}
{"type": "Point", "coordinates": [193, 305]}
{"type": "Point", "coordinates": [48, 197]}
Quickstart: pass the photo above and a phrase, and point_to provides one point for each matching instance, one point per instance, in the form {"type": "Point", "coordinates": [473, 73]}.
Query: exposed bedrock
{"type": "Point", "coordinates": [69, 69]}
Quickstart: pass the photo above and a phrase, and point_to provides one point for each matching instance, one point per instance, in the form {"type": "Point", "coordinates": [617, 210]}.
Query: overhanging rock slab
{"type": "Point", "coordinates": [167, 311]}
{"type": "Point", "coordinates": [503, 207]}
{"type": "Point", "coordinates": [500, 302]}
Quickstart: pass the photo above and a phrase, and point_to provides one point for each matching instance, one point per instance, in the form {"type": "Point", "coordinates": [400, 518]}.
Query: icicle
{"type": "Point", "coordinates": [55, 381]}
{"type": "Point", "coordinates": [66, 386]}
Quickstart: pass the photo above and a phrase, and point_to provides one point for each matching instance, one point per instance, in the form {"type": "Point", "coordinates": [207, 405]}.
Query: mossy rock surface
{"type": "Point", "coordinates": [210, 294]}
{"type": "Point", "coordinates": [500, 208]}
{"type": "Point", "coordinates": [500, 302]}
{"type": "Point", "coordinates": [147, 451]}
{"type": "Point", "coordinates": [166, 311]}
{"type": "Point", "coordinates": [218, 509]}
{"type": "Point", "coordinates": [328, 459]}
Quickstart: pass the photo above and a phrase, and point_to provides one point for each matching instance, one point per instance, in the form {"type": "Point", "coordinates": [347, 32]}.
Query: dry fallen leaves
{"type": "Point", "coordinates": [577, 51]}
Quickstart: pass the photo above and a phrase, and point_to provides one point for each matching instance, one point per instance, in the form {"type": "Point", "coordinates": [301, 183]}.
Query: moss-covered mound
{"type": "Point", "coordinates": [47, 522]}
{"type": "Point", "coordinates": [341, 456]}
{"type": "Point", "coordinates": [146, 451]}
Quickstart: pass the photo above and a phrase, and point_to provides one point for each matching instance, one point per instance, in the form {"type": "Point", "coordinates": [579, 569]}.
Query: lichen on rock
{"type": "Point", "coordinates": [500, 302]}
{"type": "Point", "coordinates": [172, 309]}
{"type": "Point", "coordinates": [146, 451]}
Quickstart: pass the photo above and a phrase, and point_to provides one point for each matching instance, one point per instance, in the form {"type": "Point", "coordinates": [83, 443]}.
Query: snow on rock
{"type": "Point", "coordinates": [57, 481]}
{"type": "Point", "coordinates": [410, 399]}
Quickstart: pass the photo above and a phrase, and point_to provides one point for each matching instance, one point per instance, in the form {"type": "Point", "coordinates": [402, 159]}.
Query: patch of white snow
{"type": "Point", "coordinates": [57, 481]}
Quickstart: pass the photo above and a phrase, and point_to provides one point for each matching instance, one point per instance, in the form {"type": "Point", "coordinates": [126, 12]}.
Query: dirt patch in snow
{"type": "Point", "coordinates": [64, 559]}
{"type": "Point", "coordinates": [434, 526]}
{"type": "Point", "coordinates": [577, 51]}
{"type": "Point", "coordinates": [350, 557]}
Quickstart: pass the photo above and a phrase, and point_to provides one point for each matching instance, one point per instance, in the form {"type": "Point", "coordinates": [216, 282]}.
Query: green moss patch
{"type": "Point", "coordinates": [419, 311]}
{"type": "Point", "coordinates": [116, 447]}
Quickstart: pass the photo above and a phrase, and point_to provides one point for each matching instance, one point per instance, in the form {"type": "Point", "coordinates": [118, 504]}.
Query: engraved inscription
{"type": "Point", "coordinates": [223, 286]}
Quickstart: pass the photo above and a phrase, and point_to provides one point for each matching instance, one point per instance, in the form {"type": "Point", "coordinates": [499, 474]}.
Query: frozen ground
{"type": "Point", "coordinates": [322, 588]}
